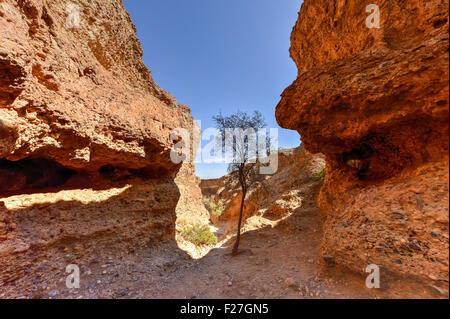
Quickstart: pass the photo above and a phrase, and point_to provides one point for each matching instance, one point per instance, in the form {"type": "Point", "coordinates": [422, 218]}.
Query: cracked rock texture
{"type": "Point", "coordinates": [85, 139]}
{"type": "Point", "coordinates": [375, 102]}
{"type": "Point", "coordinates": [271, 198]}
{"type": "Point", "coordinates": [80, 96]}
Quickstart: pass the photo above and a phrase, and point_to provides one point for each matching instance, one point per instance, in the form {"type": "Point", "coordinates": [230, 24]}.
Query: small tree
{"type": "Point", "coordinates": [240, 139]}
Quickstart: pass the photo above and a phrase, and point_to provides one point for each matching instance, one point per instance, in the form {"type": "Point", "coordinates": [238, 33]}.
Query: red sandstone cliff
{"type": "Point", "coordinates": [375, 102]}
{"type": "Point", "coordinates": [80, 96]}
{"type": "Point", "coordinates": [85, 165]}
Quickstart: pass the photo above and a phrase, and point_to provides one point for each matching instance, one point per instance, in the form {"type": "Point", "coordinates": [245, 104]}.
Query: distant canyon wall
{"type": "Point", "coordinates": [375, 102]}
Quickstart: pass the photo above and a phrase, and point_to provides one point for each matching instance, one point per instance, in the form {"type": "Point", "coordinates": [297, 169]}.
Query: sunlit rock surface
{"type": "Point", "coordinates": [375, 102]}
{"type": "Point", "coordinates": [85, 168]}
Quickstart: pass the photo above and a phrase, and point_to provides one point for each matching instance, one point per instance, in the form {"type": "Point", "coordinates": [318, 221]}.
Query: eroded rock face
{"type": "Point", "coordinates": [80, 95]}
{"type": "Point", "coordinates": [375, 102]}
{"type": "Point", "coordinates": [271, 198]}
{"type": "Point", "coordinates": [85, 138]}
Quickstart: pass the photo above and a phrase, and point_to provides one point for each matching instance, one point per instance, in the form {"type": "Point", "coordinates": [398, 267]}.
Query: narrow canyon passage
{"type": "Point", "coordinates": [279, 262]}
{"type": "Point", "coordinates": [87, 142]}
{"type": "Point", "coordinates": [280, 251]}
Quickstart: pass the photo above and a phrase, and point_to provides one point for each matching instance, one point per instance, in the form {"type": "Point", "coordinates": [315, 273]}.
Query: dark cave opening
{"type": "Point", "coordinates": [32, 174]}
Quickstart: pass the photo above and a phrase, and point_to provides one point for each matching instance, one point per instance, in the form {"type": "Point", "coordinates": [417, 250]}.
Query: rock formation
{"type": "Point", "coordinates": [85, 140]}
{"type": "Point", "coordinates": [272, 197]}
{"type": "Point", "coordinates": [375, 102]}
{"type": "Point", "coordinates": [81, 96]}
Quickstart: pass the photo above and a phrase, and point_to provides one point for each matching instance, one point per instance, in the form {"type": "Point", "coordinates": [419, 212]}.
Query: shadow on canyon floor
{"type": "Point", "coordinates": [48, 231]}
{"type": "Point", "coordinates": [281, 260]}
{"type": "Point", "coordinates": [285, 258]}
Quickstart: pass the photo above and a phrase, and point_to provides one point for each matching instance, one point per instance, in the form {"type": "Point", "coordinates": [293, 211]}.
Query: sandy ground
{"type": "Point", "coordinates": [275, 262]}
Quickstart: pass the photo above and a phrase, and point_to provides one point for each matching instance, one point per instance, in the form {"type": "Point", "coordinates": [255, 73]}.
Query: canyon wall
{"type": "Point", "coordinates": [85, 141]}
{"type": "Point", "coordinates": [375, 102]}
{"type": "Point", "coordinates": [271, 198]}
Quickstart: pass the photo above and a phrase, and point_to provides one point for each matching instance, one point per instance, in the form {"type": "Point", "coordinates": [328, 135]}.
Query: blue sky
{"type": "Point", "coordinates": [216, 55]}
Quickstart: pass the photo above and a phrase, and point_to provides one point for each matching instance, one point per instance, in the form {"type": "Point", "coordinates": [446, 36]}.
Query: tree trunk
{"type": "Point", "coordinates": [238, 237]}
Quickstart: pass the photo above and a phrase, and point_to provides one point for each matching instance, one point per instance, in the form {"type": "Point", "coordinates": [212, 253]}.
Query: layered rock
{"type": "Point", "coordinates": [271, 197]}
{"type": "Point", "coordinates": [375, 102]}
{"type": "Point", "coordinates": [85, 139]}
{"type": "Point", "coordinates": [80, 95]}
{"type": "Point", "coordinates": [210, 187]}
{"type": "Point", "coordinates": [190, 208]}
